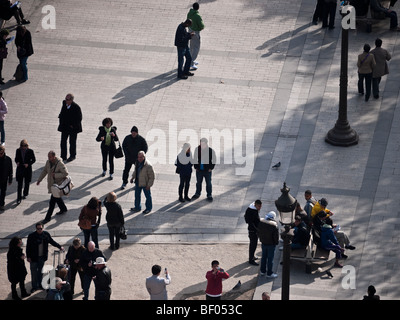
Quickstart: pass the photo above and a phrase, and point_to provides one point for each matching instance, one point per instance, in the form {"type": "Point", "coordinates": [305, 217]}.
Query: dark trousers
{"type": "Point", "coordinates": [393, 19]}
{"type": "Point", "coordinates": [108, 152]}
{"type": "Point", "coordinates": [3, 189]}
{"type": "Point", "coordinates": [125, 173]}
{"type": "Point", "coordinates": [1, 69]}
{"type": "Point", "coordinates": [184, 52]}
{"type": "Point", "coordinates": [253, 244]}
{"type": "Point", "coordinates": [72, 277]}
{"type": "Point", "coordinates": [184, 185]}
{"type": "Point", "coordinates": [368, 82]}
{"type": "Point", "coordinates": [91, 233]}
{"type": "Point", "coordinates": [200, 174]}
{"type": "Point", "coordinates": [114, 235]}
{"type": "Point", "coordinates": [318, 13]}
{"type": "Point", "coordinates": [72, 144]}
{"type": "Point", "coordinates": [52, 204]}
{"type": "Point", "coordinates": [23, 185]}
{"type": "Point", "coordinates": [375, 86]}
{"type": "Point", "coordinates": [329, 11]}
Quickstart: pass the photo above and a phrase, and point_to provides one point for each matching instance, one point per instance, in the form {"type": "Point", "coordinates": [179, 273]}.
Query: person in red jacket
{"type": "Point", "coordinates": [214, 281]}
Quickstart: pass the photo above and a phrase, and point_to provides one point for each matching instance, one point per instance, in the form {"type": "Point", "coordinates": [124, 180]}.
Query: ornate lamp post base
{"type": "Point", "coordinates": [342, 135]}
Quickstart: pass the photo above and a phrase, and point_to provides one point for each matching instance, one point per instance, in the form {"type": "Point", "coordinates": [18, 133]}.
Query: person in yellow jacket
{"type": "Point", "coordinates": [321, 206]}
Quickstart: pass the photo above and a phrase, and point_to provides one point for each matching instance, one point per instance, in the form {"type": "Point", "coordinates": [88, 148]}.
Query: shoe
{"type": "Point", "coordinates": [25, 294]}
{"type": "Point", "coordinates": [338, 265]}
{"type": "Point", "coordinates": [18, 201]}
{"type": "Point", "coordinates": [110, 177]}
{"type": "Point", "coordinates": [24, 197]}
{"type": "Point", "coordinates": [189, 74]}
{"type": "Point", "coordinates": [344, 256]}
{"type": "Point", "coordinates": [181, 199]}
{"type": "Point", "coordinates": [61, 212]}
{"type": "Point", "coordinates": [70, 159]}
{"type": "Point", "coordinates": [272, 275]}
{"type": "Point", "coordinates": [123, 186]}
{"type": "Point", "coordinates": [135, 209]}
{"type": "Point", "coordinates": [103, 174]}
{"type": "Point", "coordinates": [182, 77]}
{"type": "Point", "coordinates": [350, 247]}
{"type": "Point", "coordinates": [263, 274]}
{"type": "Point", "coordinates": [25, 21]}
{"type": "Point", "coordinates": [252, 262]}
{"type": "Point", "coordinates": [196, 196]}
{"type": "Point", "coordinates": [2, 208]}
{"type": "Point", "coordinates": [315, 22]}
{"type": "Point", "coordinates": [195, 63]}
{"type": "Point", "coordinates": [146, 211]}
{"type": "Point", "coordinates": [194, 67]}
{"type": "Point", "coordinates": [210, 198]}
{"type": "Point", "coordinates": [187, 198]}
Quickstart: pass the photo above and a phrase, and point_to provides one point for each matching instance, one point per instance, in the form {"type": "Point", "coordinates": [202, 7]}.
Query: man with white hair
{"type": "Point", "coordinates": [269, 237]}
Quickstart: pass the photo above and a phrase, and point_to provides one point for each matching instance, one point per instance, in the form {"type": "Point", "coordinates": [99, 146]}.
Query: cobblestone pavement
{"type": "Point", "coordinates": [266, 90]}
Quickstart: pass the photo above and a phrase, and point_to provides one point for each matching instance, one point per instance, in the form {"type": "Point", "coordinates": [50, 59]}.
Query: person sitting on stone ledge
{"type": "Point", "coordinates": [8, 10]}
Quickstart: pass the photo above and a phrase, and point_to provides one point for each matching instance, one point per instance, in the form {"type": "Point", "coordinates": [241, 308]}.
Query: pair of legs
{"type": "Point", "coordinates": [195, 46]}
{"type": "Point", "coordinates": [73, 272]}
{"type": "Point", "coordinates": [114, 237]}
{"type": "Point", "coordinates": [206, 175]}
{"type": "Point", "coordinates": [267, 258]}
{"type": "Point", "coordinates": [2, 132]}
{"type": "Point", "coordinates": [23, 62]}
{"type": "Point", "coordinates": [329, 10]}
{"type": "Point", "coordinates": [375, 87]}
{"type": "Point", "coordinates": [184, 186]}
{"type": "Point", "coordinates": [125, 173]}
{"type": "Point", "coordinates": [147, 194]}
{"type": "Point", "coordinates": [252, 245]}
{"type": "Point", "coordinates": [36, 273]}
{"type": "Point", "coordinates": [368, 82]}
{"type": "Point", "coordinates": [184, 53]}
{"type": "Point", "coordinates": [52, 204]}
{"type": "Point", "coordinates": [108, 152]}
{"type": "Point", "coordinates": [91, 233]}
{"type": "Point", "coordinates": [72, 144]}
{"type": "Point", "coordinates": [23, 183]}
{"type": "Point", "coordinates": [23, 290]}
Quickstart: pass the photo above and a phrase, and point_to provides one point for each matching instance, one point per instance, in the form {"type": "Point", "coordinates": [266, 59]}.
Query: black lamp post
{"type": "Point", "coordinates": [342, 134]}
{"type": "Point", "coordinates": [286, 206]}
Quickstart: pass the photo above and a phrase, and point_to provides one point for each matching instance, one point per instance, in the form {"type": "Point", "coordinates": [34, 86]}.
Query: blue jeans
{"type": "Point", "coordinates": [184, 52]}
{"type": "Point", "coordinates": [200, 174]}
{"type": "Point", "coordinates": [267, 258]}
{"type": "Point", "coordinates": [36, 272]}
{"type": "Point", "coordinates": [138, 193]}
{"type": "Point", "coordinates": [23, 62]}
{"type": "Point", "coordinates": [2, 132]}
{"type": "Point", "coordinates": [87, 280]}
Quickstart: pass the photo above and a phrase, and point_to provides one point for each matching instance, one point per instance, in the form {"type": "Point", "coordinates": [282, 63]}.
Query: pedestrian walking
{"type": "Point", "coordinates": [102, 280]}
{"type": "Point", "coordinates": [56, 172]}
{"type": "Point", "coordinates": [24, 158]}
{"type": "Point", "coordinates": [143, 176]}
{"type": "Point", "coordinates": [23, 42]}
{"type": "Point", "coordinates": [37, 250]}
{"type": "Point", "coordinates": [214, 281]}
{"type": "Point", "coordinates": [182, 37]}
{"type": "Point", "coordinates": [156, 285]}
{"type": "Point", "coordinates": [6, 175]}
{"type": "Point", "coordinates": [3, 112]}
{"type": "Point", "coordinates": [107, 136]}
{"type": "Point", "coordinates": [195, 28]}
{"type": "Point", "coordinates": [381, 68]}
{"type": "Point", "coordinates": [3, 50]}
{"type": "Point", "coordinates": [132, 144]}
{"type": "Point", "coordinates": [365, 63]}
{"type": "Point", "coordinates": [268, 233]}
{"type": "Point", "coordinates": [184, 164]}
{"type": "Point", "coordinates": [73, 257]}
{"type": "Point", "coordinates": [70, 124]}
{"type": "Point", "coordinates": [16, 269]}
{"type": "Point", "coordinates": [252, 218]}
{"type": "Point", "coordinates": [89, 221]}
{"type": "Point", "coordinates": [204, 162]}
{"type": "Point", "coordinates": [86, 261]}
{"type": "Point", "coordinates": [115, 219]}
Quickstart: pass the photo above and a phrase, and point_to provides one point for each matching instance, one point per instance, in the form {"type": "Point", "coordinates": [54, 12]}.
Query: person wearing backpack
{"type": "Point", "coordinates": [252, 218]}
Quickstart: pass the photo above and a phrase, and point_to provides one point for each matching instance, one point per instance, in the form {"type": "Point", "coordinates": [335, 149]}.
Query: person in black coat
{"type": "Point", "coordinates": [115, 219]}
{"type": "Point", "coordinates": [72, 259]}
{"type": "Point", "coordinates": [3, 45]}
{"type": "Point", "coordinates": [70, 124]}
{"type": "Point", "coordinates": [6, 175]}
{"type": "Point", "coordinates": [16, 269]}
{"type": "Point", "coordinates": [24, 158]}
{"type": "Point", "coordinates": [252, 218]}
{"type": "Point", "coordinates": [107, 135]}
{"type": "Point", "coordinates": [37, 251]}
{"type": "Point", "coordinates": [182, 37]}
{"type": "Point", "coordinates": [301, 234]}
{"type": "Point", "coordinates": [23, 41]}
{"type": "Point", "coordinates": [184, 164]}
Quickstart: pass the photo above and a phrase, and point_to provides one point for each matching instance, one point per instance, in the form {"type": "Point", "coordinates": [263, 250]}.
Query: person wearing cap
{"type": "Point", "coordinates": [268, 233]}
{"type": "Point", "coordinates": [102, 280]}
{"type": "Point", "coordinates": [132, 144]}
{"type": "Point", "coordinates": [319, 206]}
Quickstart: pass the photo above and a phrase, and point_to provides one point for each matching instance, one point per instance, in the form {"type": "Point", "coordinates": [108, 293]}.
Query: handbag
{"type": "Point", "coordinates": [118, 152]}
{"type": "Point", "coordinates": [62, 189]}
{"type": "Point", "coordinates": [123, 233]}
{"type": "Point", "coordinates": [3, 53]}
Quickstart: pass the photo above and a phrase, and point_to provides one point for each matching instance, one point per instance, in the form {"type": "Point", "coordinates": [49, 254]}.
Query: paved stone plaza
{"type": "Point", "coordinates": [268, 81]}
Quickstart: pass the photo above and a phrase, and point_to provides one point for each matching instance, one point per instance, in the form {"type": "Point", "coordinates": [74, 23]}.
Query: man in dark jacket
{"type": "Point", "coordinates": [204, 162]}
{"type": "Point", "coordinates": [86, 261]}
{"type": "Point", "coordinates": [6, 175]}
{"type": "Point", "coordinates": [301, 234]}
{"type": "Point", "coordinates": [70, 119]}
{"type": "Point", "coordinates": [132, 144]}
{"type": "Point", "coordinates": [182, 37]}
{"type": "Point", "coordinates": [102, 280]}
{"type": "Point", "coordinates": [37, 250]}
{"type": "Point", "coordinates": [269, 237]}
{"type": "Point", "coordinates": [252, 218]}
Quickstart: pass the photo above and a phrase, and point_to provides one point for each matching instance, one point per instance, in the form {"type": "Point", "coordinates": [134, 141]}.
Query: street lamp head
{"type": "Point", "coordinates": [286, 206]}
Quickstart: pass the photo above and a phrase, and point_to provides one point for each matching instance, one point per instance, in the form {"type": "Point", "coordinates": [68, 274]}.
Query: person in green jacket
{"type": "Point", "coordinates": [196, 27]}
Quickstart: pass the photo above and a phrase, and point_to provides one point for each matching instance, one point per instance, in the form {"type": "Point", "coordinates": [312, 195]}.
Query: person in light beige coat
{"type": "Point", "coordinates": [381, 57]}
{"type": "Point", "coordinates": [366, 63]}
{"type": "Point", "coordinates": [143, 176]}
{"type": "Point", "coordinates": [56, 172]}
